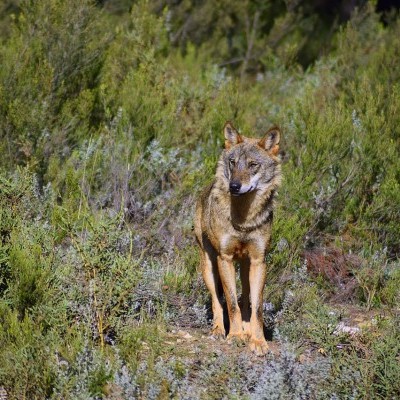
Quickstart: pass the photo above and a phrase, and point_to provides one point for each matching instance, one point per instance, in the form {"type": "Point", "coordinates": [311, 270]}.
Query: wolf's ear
{"type": "Point", "coordinates": [232, 136]}
{"type": "Point", "coordinates": [270, 141]}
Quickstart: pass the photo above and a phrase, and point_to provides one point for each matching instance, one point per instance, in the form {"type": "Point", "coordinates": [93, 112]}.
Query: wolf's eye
{"type": "Point", "coordinates": [231, 162]}
{"type": "Point", "coordinates": [253, 165]}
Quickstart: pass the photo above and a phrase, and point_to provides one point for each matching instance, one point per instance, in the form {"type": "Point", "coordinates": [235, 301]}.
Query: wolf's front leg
{"type": "Point", "coordinates": [209, 269]}
{"type": "Point", "coordinates": [227, 274]}
{"type": "Point", "coordinates": [258, 344]}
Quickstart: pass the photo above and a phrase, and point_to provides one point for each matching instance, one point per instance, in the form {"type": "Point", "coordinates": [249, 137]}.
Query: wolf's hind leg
{"type": "Point", "coordinates": [209, 270]}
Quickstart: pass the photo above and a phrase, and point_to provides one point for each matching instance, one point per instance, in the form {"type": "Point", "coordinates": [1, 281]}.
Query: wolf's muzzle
{"type": "Point", "coordinates": [234, 187]}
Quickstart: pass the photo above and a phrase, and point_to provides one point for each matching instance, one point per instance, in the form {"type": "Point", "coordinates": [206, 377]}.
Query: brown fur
{"type": "Point", "coordinates": [233, 223]}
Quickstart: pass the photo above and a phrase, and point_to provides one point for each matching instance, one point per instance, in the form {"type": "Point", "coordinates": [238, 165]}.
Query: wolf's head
{"type": "Point", "coordinates": [250, 164]}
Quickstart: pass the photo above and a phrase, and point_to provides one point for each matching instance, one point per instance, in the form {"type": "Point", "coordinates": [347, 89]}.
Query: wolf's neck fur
{"type": "Point", "coordinates": [252, 210]}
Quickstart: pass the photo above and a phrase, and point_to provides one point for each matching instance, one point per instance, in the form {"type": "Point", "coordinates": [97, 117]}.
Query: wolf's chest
{"type": "Point", "coordinates": [241, 250]}
{"type": "Point", "coordinates": [239, 247]}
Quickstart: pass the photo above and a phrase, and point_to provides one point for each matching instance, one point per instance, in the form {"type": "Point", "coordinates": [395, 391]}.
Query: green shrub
{"type": "Point", "coordinates": [27, 354]}
{"type": "Point", "coordinates": [50, 64]}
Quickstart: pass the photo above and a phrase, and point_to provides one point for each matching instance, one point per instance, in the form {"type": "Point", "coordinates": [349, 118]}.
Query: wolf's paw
{"type": "Point", "coordinates": [259, 346]}
{"type": "Point", "coordinates": [218, 332]}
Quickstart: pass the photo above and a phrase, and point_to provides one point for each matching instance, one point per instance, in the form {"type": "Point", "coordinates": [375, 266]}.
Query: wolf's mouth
{"type": "Point", "coordinates": [241, 194]}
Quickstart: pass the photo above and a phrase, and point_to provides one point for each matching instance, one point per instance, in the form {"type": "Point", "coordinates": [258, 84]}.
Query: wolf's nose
{"type": "Point", "coordinates": [234, 187]}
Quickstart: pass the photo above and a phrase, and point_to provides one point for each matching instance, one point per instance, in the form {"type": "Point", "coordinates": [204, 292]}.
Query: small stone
{"type": "Point", "coordinates": [185, 335]}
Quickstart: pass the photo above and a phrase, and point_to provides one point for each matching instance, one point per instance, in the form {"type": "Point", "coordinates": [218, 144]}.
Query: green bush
{"type": "Point", "coordinates": [50, 65]}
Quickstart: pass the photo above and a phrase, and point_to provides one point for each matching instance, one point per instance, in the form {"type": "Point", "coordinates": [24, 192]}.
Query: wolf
{"type": "Point", "coordinates": [232, 223]}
